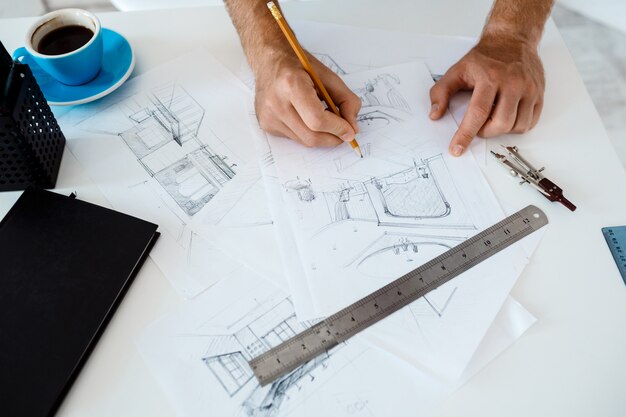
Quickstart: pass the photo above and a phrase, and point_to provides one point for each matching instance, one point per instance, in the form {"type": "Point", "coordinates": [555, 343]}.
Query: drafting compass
{"type": "Point", "coordinates": [519, 167]}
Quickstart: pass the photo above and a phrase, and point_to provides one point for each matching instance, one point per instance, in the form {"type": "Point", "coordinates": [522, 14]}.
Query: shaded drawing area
{"type": "Point", "coordinates": [259, 330]}
{"type": "Point", "coordinates": [164, 137]}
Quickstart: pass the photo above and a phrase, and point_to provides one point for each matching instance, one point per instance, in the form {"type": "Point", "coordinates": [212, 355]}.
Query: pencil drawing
{"type": "Point", "coordinates": [161, 127]}
{"type": "Point", "coordinates": [258, 330]}
{"type": "Point", "coordinates": [381, 91]}
{"type": "Point", "coordinates": [403, 198]}
{"type": "Point", "coordinates": [402, 250]}
{"type": "Point", "coordinates": [164, 137]}
{"type": "Point", "coordinates": [371, 120]}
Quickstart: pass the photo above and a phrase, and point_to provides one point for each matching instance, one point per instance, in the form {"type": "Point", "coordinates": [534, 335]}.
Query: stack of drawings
{"type": "Point", "coordinates": [265, 240]}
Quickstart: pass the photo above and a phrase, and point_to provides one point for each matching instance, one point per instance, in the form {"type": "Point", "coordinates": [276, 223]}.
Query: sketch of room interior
{"type": "Point", "coordinates": [164, 137]}
{"type": "Point", "coordinates": [264, 327]}
{"type": "Point", "coordinates": [381, 102]}
{"type": "Point", "coordinates": [405, 198]}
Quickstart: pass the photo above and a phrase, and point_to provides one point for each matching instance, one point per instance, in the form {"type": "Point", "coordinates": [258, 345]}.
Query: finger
{"type": "Point", "coordinates": [443, 89]}
{"type": "Point", "coordinates": [477, 113]}
{"type": "Point", "coordinates": [314, 115]}
{"type": "Point", "coordinates": [349, 103]}
{"type": "Point", "coordinates": [502, 117]}
{"type": "Point", "coordinates": [279, 129]}
{"type": "Point", "coordinates": [305, 135]}
{"type": "Point", "coordinates": [537, 112]}
{"type": "Point", "coordinates": [286, 132]}
{"type": "Point", "coordinates": [524, 116]}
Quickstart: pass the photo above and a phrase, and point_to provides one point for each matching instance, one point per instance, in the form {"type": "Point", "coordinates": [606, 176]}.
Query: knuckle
{"type": "Point", "coordinates": [482, 111]}
{"type": "Point", "coordinates": [290, 79]}
{"type": "Point", "coordinates": [316, 121]}
{"type": "Point", "coordinates": [499, 125]}
{"type": "Point", "coordinates": [465, 136]}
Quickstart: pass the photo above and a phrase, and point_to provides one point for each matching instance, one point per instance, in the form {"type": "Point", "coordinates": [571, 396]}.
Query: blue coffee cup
{"type": "Point", "coordinates": [72, 68]}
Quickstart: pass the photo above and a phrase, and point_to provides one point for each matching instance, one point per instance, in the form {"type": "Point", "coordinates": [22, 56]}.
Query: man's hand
{"type": "Point", "coordinates": [505, 73]}
{"type": "Point", "coordinates": [508, 82]}
{"type": "Point", "coordinates": [287, 102]}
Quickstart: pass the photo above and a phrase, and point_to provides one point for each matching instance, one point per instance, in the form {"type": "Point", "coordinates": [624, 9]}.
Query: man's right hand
{"type": "Point", "coordinates": [288, 104]}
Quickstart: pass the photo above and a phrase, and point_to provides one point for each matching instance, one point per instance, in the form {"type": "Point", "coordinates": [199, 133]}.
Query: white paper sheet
{"type": "Point", "coordinates": [161, 148]}
{"type": "Point", "coordinates": [347, 50]}
{"type": "Point", "coordinates": [359, 223]}
{"type": "Point", "coordinates": [199, 356]}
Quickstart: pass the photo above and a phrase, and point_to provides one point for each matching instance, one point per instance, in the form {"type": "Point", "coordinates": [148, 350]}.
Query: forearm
{"type": "Point", "coordinates": [260, 36]}
{"type": "Point", "coordinates": [520, 19]}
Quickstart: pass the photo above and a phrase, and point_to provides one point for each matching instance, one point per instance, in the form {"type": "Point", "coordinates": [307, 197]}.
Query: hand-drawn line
{"type": "Point", "coordinates": [408, 246]}
{"type": "Point", "coordinates": [261, 329]}
{"type": "Point", "coordinates": [381, 91]}
{"type": "Point", "coordinates": [410, 198]}
{"type": "Point", "coordinates": [164, 137]}
{"type": "Point", "coordinates": [371, 120]}
{"type": "Point", "coordinates": [328, 61]}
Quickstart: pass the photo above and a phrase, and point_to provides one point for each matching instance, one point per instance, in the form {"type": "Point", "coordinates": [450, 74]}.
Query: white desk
{"type": "Point", "coordinates": [571, 363]}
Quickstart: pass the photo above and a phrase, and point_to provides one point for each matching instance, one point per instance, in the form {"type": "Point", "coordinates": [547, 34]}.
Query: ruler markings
{"type": "Point", "coordinates": [383, 302]}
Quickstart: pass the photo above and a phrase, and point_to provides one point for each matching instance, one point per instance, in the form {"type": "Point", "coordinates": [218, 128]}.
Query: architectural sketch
{"type": "Point", "coordinates": [411, 197]}
{"type": "Point", "coordinates": [161, 149]}
{"type": "Point", "coordinates": [399, 252]}
{"type": "Point", "coordinates": [371, 120]}
{"type": "Point", "coordinates": [382, 103]}
{"type": "Point", "coordinates": [411, 248]}
{"type": "Point", "coordinates": [164, 137]}
{"type": "Point", "coordinates": [261, 329]}
{"type": "Point", "coordinates": [381, 91]}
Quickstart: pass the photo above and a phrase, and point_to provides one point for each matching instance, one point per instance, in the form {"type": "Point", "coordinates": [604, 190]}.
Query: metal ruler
{"type": "Point", "coordinates": [339, 327]}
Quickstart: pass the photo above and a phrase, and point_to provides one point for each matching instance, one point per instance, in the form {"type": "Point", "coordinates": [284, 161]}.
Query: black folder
{"type": "Point", "coordinates": [65, 265]}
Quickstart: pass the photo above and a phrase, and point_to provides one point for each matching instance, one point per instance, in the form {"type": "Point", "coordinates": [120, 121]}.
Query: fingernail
{"type": "Point", "coordinates": [457, 150]}
{"type": "Point", "coordinates": [347, 137]}
{"type": "Point", "coordinates": [434, 109]}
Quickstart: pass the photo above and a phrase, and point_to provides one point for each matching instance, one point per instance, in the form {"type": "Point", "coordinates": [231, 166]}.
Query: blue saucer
{"type": "Point", "coordinates": [118, 62]}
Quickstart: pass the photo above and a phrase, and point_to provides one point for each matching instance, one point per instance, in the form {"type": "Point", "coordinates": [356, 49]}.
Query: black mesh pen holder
{"type": "Point", "coordinates": [31, 142]}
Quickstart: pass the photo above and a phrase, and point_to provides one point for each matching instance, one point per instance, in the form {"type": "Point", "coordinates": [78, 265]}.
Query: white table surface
{"type": "Point", "coordinates": [571, 363]}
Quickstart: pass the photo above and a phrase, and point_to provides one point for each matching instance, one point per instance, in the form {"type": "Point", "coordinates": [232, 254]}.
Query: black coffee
{"type": "Point", "coordinates": [64, 39]}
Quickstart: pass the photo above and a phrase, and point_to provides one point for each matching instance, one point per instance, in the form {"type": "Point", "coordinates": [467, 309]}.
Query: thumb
{"type": "Point", "coordinates": [441, 92]}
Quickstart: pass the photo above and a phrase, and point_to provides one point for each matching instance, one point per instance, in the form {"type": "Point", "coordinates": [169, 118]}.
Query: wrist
{"type": "Point", "coordinates": [502, 31]}
{"type": "Point", "coordinates": [507, 46]}
{"type": "Point", "coordinates": [267, 50]}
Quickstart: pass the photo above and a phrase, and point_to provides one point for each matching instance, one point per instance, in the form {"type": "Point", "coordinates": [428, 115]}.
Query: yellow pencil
{"type": "Point", "coordinates": [282, 23]}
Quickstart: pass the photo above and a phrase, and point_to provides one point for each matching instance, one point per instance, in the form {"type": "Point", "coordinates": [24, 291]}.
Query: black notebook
{"type": "Point", "coordinates": [64, 267]}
